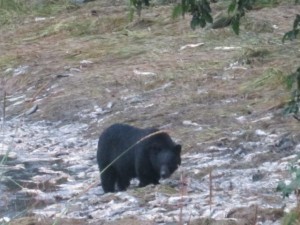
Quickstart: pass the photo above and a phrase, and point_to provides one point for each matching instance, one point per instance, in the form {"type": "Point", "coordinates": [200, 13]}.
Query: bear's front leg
{"type": "Point", "coordinates": [108, 180]}
{"type": "Point", "coordinates": [123, 183]}
{"type": "Point", "coordinates": [144, 170]}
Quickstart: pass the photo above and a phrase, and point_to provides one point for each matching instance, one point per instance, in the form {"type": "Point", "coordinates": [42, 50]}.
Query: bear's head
{"type": "Point", "coordinates": [165, 156]}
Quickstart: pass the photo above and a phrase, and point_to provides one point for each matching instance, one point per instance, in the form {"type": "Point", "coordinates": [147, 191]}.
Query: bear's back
{"type": "Point", "coordinates": [118, 138]}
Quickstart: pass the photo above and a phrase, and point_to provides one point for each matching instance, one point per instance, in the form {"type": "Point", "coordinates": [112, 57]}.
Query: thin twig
{"type": "Point", "coordinates": [210, 190]}
{"type": "Point", "coordinates": [4, 108]}
{"type": "Point", "coordinates": [255, 215]}
{"type": "Point", "coordinates": [183, 192]}
{"type": "Point", "coordinates": [181, 199]}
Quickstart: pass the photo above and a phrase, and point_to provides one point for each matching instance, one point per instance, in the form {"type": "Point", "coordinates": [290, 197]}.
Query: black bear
{"type": "Point", "coordinates": [121, 158]}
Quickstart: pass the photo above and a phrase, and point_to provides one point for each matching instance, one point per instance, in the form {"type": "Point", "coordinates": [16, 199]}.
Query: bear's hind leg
{"type": "Point", "coordinates": [122, 183]}
{"type": "Point", "coordinates": [108, 180]}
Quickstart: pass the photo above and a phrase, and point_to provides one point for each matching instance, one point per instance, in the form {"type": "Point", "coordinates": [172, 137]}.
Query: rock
{"type": "Point", "coordinates": [257, 176]}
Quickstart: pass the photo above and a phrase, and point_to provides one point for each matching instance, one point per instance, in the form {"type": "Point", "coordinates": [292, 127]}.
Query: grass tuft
{"type": "Point", "coordinates": [271, 78]}
{"type": "Point", "coordinates": [12, 11]}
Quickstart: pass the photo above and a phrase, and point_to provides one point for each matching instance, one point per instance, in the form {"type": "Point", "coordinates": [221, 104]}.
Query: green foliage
{"type": "Point", "coordinates": [177, 11]}
{"type": "Point", "coordinates": [239, 6]}
{"type": "Point", "coordinates": [236, 10]}
{"type": "Point", "coordinates": [293, 186]}
{"type": "Point", "coordinates": [199, 9]}
{"type": "Point", "coordinates": [235, 24]}
{"type": "Point", "coordinates": [12, 5]}
{"type": "Point", "coordinates": [12, 10]}
{"type": "Point", "coordinates": [201, 12]}
{"type": "Point", "coordinates": [292, 217]}
{"type": "Point", "coordinates": [53, 7]}
{"type": "Point", "coordinates": [293, 80]}
{"type": "Point", "coordinates": [291, 35]}
{"type": "Point", "coordinates": [3, 161]}
{"type": "Point", "coordinates": [136, 5]}
{"type": "Point", "coordinates": [293, 84]}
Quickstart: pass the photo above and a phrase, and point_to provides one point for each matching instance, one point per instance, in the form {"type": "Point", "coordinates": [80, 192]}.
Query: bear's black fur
{"type": "Point", "coordinates": [153, 158]}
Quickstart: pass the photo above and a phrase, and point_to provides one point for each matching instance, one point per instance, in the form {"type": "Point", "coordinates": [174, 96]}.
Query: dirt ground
{"type": "Point", "coordinates": [99, 68]}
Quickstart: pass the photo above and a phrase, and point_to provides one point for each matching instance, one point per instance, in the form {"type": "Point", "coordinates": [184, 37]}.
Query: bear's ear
{"type": "Point", "coordinates": [177, 149]}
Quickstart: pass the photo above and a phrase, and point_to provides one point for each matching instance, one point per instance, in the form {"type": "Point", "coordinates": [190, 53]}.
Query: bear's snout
{"type": "Point", "coordinates": [164, 172]}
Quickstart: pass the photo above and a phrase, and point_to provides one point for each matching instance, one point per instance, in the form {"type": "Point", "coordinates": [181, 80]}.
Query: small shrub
{"type": "Point", "coordinates": [293, 84]}
{"type": "Point", "coordinates": [287, 189]}
{"type": "Point", "coordinates": [291, 35]}
{"type": "Point", "coordinates": [14, 10]}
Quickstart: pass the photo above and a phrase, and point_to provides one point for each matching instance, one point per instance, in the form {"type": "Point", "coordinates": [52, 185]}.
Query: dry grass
{"type": "Point", "coordinates": [202, 86]}
{"type": "Point", "coordinates": [196, 84]}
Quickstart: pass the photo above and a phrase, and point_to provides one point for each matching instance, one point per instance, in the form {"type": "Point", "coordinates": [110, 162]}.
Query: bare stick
{"type": "Point", "coordinates": [181, 199]}
{"type": "Point", "coordinates": [183, 192]}
{"type": "Point", "coordinates": [210, 189]}
{"type": "Point", "coordinates": [255, 215]}
{"type": "Point", "coordinates": [4, 108]}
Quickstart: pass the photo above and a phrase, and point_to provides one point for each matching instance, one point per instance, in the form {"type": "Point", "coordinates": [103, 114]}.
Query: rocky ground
{"type": "Point", "coordinates": [67, 76]}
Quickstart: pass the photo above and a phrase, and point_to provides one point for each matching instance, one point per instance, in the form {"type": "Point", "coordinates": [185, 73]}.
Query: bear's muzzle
{"type": "Point", "coordinates": [164, 172]}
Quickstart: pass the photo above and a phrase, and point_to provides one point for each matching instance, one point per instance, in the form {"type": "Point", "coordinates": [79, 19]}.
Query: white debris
{"type": "Point", "coordinates": [39, 19]}
{"type": "Point", "coordinates": [20, 70]}
{"type": "Point", "coordinates": [143, 73]}
{"type": "Point", "coordinates": [190, 46]}
{"type": "Point", "coordinates": [260, 133]}
{"type": "Point", "coordinates": [227, 48]}
{"type": "Point", "coordinates": [190, 123]}
{"type": "Point", "coordinates": [5, 219]}
{"type": "Point", "coordinates": [109, 105]}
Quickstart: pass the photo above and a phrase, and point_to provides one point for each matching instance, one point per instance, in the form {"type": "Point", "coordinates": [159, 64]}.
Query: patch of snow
{"type": "Point", "coordinates": [260, 133]}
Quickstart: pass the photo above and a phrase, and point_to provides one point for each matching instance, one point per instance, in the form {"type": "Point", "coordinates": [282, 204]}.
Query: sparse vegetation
{"type": "Point", "coordinates": [293, 84]}
{"type": "Point", "coordinates": [16, 10]}
{"type": "Point", "coordinates": [293, 80]}
{"type": "Point", "coordinates": [201, 13]}
{"type": "Point", "coordinates": [293, 185]}
{"type": "Point", "coordinates": [289, 187]}
{"type": "Point", "coordinates": [291, 35]}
